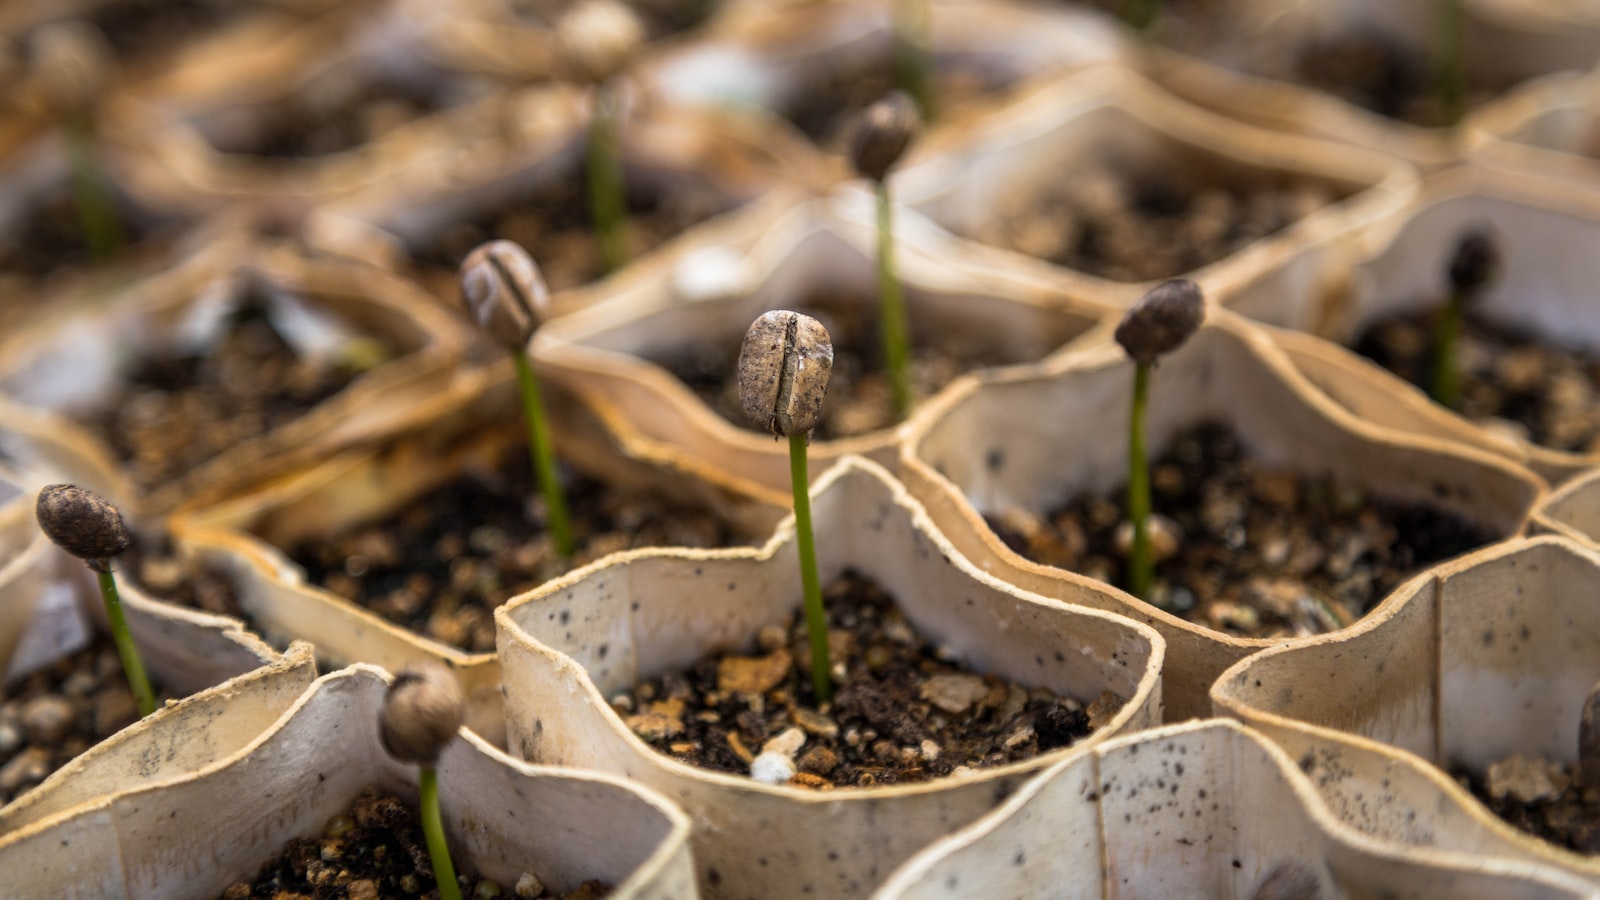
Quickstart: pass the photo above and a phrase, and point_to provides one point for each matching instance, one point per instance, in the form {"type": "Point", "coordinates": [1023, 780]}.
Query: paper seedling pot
{"type": "Point", "coordinates": [1108, 116]}
{"type": "Point", "coordinates": [68, 365]}
{"type": "Point", "coordinates": [1572, 510]}
{"type": "Point", "coordinates": [568, 646]}
{"type": "Point", "coordinates": [1059, 429]}
{"type": "Point", "coordinates": [615, 354]}
{"type": "Point", "coordinates": [1485, 656]}
{"type": "Point", "coordinates": [502, 817]}
{"type": "Point", "coordinates": [1550, 125]}
{"type": "Point", "coordinates": [1545, 287]}
{"type": "Point", "coordinates": [1205, 809]}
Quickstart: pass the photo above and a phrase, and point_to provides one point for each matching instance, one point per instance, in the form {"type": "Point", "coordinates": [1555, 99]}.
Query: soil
{"type": "Point", "coordinates": [138, 29]}
{"type": "Point", "coordinates": [903, 712]}
{"type": "Point", "coordinates": [376, 850]}
{"type": "Point", "coordinates": [1127, 226]}
{"type": "Point", "coordinates": [551, 221]}
{"type": "Point", "coordinates": [859, 400]}
{"type": "Point", "coordinates": [1511, 380]}
{"type": "Point", "coordinates": [827, 109]}
{"type": "Point", "coordinates": [660, 18]}
{"type": "Point", "coordinates": [56, 713]}
{"type": "Point", "coordinates": [1541, 797]}
{"type": "Point", "coordinates": [52, 239]}
{"type": "Point", "coordinates": [1248, 550]}
{"type": "Point", "coordinates": [1378, 75]}
{"type": "Point", "coordinates": [173, 413]}
{"type": "Point", "coordinates": [154, 566]}
{"type": "Point", "coordinates": [442, 565]}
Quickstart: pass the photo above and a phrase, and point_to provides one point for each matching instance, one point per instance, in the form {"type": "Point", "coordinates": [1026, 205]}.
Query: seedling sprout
{"type": "Point", "coordinates": [421, 714]}
{"type": "Point", "coordinates": [1473, 267]}
{"type": "Point", "coordinates": [73, 61]}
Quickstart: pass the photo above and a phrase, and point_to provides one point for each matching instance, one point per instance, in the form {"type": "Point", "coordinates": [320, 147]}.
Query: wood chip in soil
{"type": "Point", "coordinates": [442, 565]}
{"type": "Point", "coordinates": [1247, 549]}
{"type": "Point", "coordinates": [1541, 797]}
{"type": "Point", "coordinates": [1140, 226]}
{"type": "Point", "coordinates": [859, 400]}
{"type": "Point", "coordinates": [904, 712]}
{"type": "Point", "coordinates": [374, 850]}
{"type": "Point", "coordinates": [174, 413]}
{"type": "Point", "coordinates": [1515, 382]}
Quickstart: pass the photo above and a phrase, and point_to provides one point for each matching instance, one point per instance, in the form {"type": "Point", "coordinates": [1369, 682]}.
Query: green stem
{"type": "Point", "coordinates": [444, 871]}
{"type": "Point", "coordinates": [604, 168]}
{"type": "Point", "coordinates": [557, 520]}
{"type": "Point", "coordinates": [132, 665]}
{"type": "Point", "coordinates": [1450, 65]}
{"type": "Point", "coordinates": [816, 618]}
{"type": "Point", "coordinates": [1446, 371]}
{"type": "Point", "coordinates": [1139, 566]}
{"type": "Point", "coordinates": [96, 215]}
{"type": "Point", "coordinates": [892, 310]}
{"type": "Point", "coordinates": [913, 64]}
{"type": "Point", "coordinates": [1138, 14]}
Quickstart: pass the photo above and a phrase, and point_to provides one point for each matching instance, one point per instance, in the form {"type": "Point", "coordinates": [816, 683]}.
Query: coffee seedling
{"type": "Point", "coordinates": [1472, 269]}
{"type": "Point", "coordinates": [599, 36]}
{"type": "Point", "coordinates": [421, 714]}
{"type": "Point", "coordinates": [1450, 61]}
{"type": "Point", "coordinates": [913, 64]}
{"type": "Point", "coordinates": [783, 377]}
{"type": "Point", "coordinates": [72, 59]}
{"type": "Point", "coordinates": [881, 137]}
{"type": "Point", "coordinates": [1155, 326]}
{"type": "Point", "coordinates": [87, 526]}
{"type": "Point", "coordinates": [505, 293]}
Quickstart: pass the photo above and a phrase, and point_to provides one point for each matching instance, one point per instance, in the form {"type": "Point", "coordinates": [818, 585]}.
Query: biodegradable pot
{"type": "Point", "coordinates": [67, 365]}
{"type": "Point", "coordinates": [568, 646]}
{"type": "Point", "coordinates": [615, 354]}
{"type": "Point", "coordinates": [1543, 228]}
{"type": "Point", "coordinates": [1572, 510]}
{"type": "Point", "coordinates": [1108, 117]}
{"type": "Point", "coordinates": [1037, 438]}
{"type": "Point", "coordinates": [1550, 125]}
{"type": "Point", "coordinates": [1200, 809]}
{"type": "Point", "coordinates": [502, 818]}
{"type": "Point", "coordinates": [1490, 655]}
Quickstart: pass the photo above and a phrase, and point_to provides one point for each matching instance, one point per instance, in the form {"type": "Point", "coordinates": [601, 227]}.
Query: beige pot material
{"type": "Point", "coordinates": [615, 353]}
{"type": "Point", "coordinates": [1203, 809]}
{"type": "Point", "coordinates": [502, 817]}
{"type": "Point", "coordinates": [755, 839]}
{"type": "Point", "coordinates": [1544, 229]}
{"type": "Point", "coordinates": [68, 365]}
{"type": "Point", "coordinates": [1058, 430]}
{"type": "Point", "coordinates": [1487, 656]}
{"type": "Point", "coordinates": [1550, 125]}
{"type": "Point", "coordinates": [1572, 510]}
{"type": "Point", "coordinates": [1109, 117]}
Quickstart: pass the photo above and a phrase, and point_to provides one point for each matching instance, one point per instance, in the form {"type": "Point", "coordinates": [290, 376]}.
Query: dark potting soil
{"type": "Point", "coordinates": [552, 222]}
{"type": "Point", "coordinates": [154, 565]}
{"type": "Point", "coordinates": [859, 399]}
{"type": "Point", "coordinates": [1256, 552]}
{"type": "Point", "coordinates": [376, 850]}
{"type": "Point", "coordinates": [1541, 797]}
{"type": "Point", "coordinates": [137, 29]}
{"type": "Point", "coordinates": [660, 18]}
{"type": "Point", "coordinates": [56, 713]}
{"type": "Point", "coordinates": [174, 413]}
{"type": "Point", "coordinates": [51, 238]}
{"type": "Point", "coordinates": [1379, 75]}
{"type": "Point", "coordinates": [1124, 226]}
{"type": "Point", "coordinates": [828, 108]}
{"type": "Point", "coordinates": [904, 712]}
{"type": "Point", "coordinates": [441, 566]}
{"type": "Point", "coordinates": [1547, 394]}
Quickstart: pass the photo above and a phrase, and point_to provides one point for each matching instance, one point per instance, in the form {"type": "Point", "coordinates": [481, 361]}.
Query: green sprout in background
{"type": "Point", "coordinates": [422, 712]}
{"type": "Point", "coordinates": [913, 60]}
{"type": "Point", "coordinates": [597, 38]}
{"type": "Point", "coordinates": [1450, 61]}
{"type": "Point", "coordinates": [504, 291]}
{"type": "Point", "coordinates": [89, 527]}
{"type": "Point", "coordinates": [1139, 15]}
{"type": "Point", "coordinates": [1158, 324]}
{"type": "Point", "coordinates": [1473, 268]}
{"type": "Point", "coordinates": [880, 138]}
{"type": "Point", "coordinates": [72, 60]}
{"type": "Point", "coordinates": [783, 371]}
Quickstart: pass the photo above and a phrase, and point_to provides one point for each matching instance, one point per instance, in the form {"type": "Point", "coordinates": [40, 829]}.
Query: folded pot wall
{"type": "Point", "coordinates": [567, 647]}
{"type": "Point", "coordinates": [1551, 125]}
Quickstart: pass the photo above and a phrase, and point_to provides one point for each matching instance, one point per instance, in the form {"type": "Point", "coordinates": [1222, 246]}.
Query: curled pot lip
{"type": "Point", "coordinates": [672, 605]}
{"type": "Point", "coordinates": [1250, 385]}
{"type": "Point", "coordinates": [1083, 819]}
{"type": "Point", "coordinates": [1480, 658]}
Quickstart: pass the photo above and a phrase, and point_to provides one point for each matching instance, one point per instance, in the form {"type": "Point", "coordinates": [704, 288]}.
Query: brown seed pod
{"type": "Point", "coordinates": [1476, 261]}
{"type": "Point", "coordinates": [882, 134]}
{"type": "Point", "coordinates": [1293, 880]}
{"type": "Point", "coordinates": [504, 291]}
{"type": "Point", "coordinates": [72, 59]}
{"type": "Point", "coordinates": [1589, 741]}
{"type": "Point", "coordinates": [82, 523]}
{"type": "Point", "coordinates": [422, 712]}
{"type": "Point", "coordinates": [1162, 320]}
{"type": "Point", "coordinates": [598, 37]}
{"type": "Point", "coordinates": [783, 371]}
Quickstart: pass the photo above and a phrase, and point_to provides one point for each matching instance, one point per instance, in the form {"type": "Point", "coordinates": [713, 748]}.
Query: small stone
{"type": "Point", "coordinates": [929, 750]}
{"type": "Point", "coordinates": [772, 768]}
{"type": "Point", "coordinates": [954, 693]}
{"type": "Point", "coordinates": [622, 703]}
{"type": "Point", "coordinates": [1525, 779]}
{"type": "Point", "coordinates": [486, 890]}
{"type": "Point", "coordinates": [10, 737]}
{"type": "Point", "coordinates": [529, 886]}
{"type": "Point", "coordinates": [786, 743]}
{"type": "Point", "coordinates": [819, 760]}
{"type": "Point", "coordinates": [47, 719]}
{"type": "Point", "coordinates": [1019, 737]}
{"type": "Point", "coordinates": [1229, 616]}
{"type": "Point", "coordinates": [26, 768]}
{"type": "Point", "coordinates": [1164, 537]}
{"type": "Point", "coordinates": [815, 723]}
{"type": "Point", "coordinates": [753, 674]}
{"type": "Point", "coordinates": [772, 638]}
